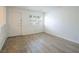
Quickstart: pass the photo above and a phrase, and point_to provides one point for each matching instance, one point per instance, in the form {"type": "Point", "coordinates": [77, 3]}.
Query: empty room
{"type": "Point", "coordinates": [39, 29]}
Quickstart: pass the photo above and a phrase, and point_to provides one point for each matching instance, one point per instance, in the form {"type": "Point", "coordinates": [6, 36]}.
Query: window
{"type": "Point", "coordinates": [34, 19]}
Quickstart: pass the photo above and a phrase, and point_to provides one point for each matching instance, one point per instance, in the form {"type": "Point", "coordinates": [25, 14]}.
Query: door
{"type": "Point", "coordinates": [14, 22]}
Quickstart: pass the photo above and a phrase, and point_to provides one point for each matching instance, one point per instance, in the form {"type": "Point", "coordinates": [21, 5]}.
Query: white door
{"type": "Point", "coordinates": [14, 22]}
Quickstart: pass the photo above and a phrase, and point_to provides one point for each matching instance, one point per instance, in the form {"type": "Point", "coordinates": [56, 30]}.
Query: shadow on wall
{"type": "Point", "coordinates": [63, 22]}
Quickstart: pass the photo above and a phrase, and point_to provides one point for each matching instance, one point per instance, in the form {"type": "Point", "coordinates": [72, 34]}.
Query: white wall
{"type": "Point", "coordinates": [14, 23]}
{"type": "Point", "coordinates": [27, 27]}
{"type": "Point", "coordinates": [2, 26]}
{"type": "Point", "coordinates": [63, 22]}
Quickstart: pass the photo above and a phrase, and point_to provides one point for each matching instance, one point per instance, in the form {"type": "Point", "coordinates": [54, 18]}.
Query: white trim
{"type": "Point", "coordinates": [63, 37]}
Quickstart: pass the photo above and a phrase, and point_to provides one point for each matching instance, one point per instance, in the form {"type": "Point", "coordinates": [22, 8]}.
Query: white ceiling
{"type": "Point", "coordinates": [40, 8]}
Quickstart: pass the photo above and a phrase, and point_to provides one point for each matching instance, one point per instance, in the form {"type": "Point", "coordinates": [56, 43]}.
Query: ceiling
{"type": "Point", "coordinates": [40, 8]}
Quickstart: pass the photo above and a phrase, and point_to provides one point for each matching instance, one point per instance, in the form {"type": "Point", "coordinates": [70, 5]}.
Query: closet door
{"type": "Point", "coordinates": [14, 22]}
{"type": "Point", "coordinates": [25, 23]}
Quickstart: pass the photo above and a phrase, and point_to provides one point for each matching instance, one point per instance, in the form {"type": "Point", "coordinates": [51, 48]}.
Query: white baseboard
{"type": "Point", "coordinates": [64, 37]}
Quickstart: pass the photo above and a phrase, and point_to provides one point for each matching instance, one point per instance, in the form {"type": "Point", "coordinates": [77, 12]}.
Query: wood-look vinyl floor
{"type": "Point", "coordinates": [39, 43]}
